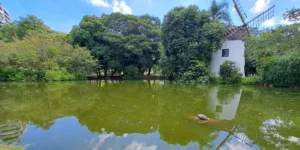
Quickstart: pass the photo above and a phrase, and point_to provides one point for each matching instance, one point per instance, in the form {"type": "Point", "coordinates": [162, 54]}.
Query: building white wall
{"type": "Point", "coordinates": [236, 54]}
{"type": "Point", "coordinates": [4, 15]}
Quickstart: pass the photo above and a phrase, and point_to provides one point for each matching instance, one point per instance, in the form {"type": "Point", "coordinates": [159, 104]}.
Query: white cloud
{"type": "Point", "coordinates": [117, 5]}
{"type": "Point", "coordinates": [140, 146]}
{"type": "Point", "coordinates": [98, 3]}
{"type": "Point", "coordinates": [269, 23]}
{"type": "Point", "coordinates": [121, 6]}
{"type": "Point", "coordinates": [260, 6]}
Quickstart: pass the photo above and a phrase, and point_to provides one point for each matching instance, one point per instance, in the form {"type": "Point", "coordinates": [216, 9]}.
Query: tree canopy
{"type": "Point", "coordinates": [119, 40]}
{"type": "Point", "coordinates": [189, 37]}
{"type": "Point", "coordinates": [30, 51]}
{"type": "Point", "coordinates": [19, 29]}
{"type": "Point", "coordinates": [275, 55]}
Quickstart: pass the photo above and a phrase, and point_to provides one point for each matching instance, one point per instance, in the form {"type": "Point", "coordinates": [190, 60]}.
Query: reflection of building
{"type": "Point", "coordinates": [4, 15]}
{"type": "Point", "coordinates": [224, 105]}
{"type": "Point", "coordinates": [10, 133]}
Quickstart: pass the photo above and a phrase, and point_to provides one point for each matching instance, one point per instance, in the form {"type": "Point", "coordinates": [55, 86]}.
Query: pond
{"type": "Point", "coordinates": [150, 115]}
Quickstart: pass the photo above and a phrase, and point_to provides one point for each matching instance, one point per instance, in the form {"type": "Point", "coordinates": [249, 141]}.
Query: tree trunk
{"type": "Point", "coordinates": [98, 73]}
{"type": "Point", "coordinates": [149, 71]}
{"type": "Point", "coordinates": [105, 73]}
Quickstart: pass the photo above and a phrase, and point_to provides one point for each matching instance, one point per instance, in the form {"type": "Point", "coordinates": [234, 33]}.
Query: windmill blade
{"type": "Point", "coordinates": [261, 18]}
{"type": "Point", "coordinates": [239, 10]}
{"type": "Point", "coordinates": [254, 23]}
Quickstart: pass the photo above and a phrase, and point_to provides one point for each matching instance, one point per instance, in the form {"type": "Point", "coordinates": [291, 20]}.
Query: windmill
{"type": "Point", "coordinates": [253, 23]}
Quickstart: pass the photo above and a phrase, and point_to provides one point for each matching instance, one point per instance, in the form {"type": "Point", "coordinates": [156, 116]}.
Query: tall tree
{"type": "Point", "coordinates": [220, 11]}
{"type": "Point", "coordinates": [119, 40]}
{"type": "Point", "coordinates": [21, 28]}
{"type": "Point", "coordinates": [189, 37]}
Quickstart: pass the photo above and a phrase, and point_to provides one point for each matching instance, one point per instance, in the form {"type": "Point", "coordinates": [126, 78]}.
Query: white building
{"type": "Point", "coordinates": [233, 49]}
{"type": "Point", "coordinates": [4, 15]}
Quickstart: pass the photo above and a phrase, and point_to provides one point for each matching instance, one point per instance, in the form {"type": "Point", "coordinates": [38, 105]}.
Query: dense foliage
{"type": "Point", "coordinates": [120, 41]}
{"type": "Point", "coordinates": [230, 72]}
{"type": "Point", "coordinates": [283, 71]}
{"type": "Point", "coordinates": [19, 29]}
{"type": "Point", "coordinates": [275, 55]}
{"type": "Point", "coordinates": [37, 53]}
{"type": "Point", "coordinates": [189, 36]}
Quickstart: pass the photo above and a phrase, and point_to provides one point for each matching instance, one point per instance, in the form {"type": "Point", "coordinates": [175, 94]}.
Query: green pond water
{"type": "Point", "coordinates": [147, 115]}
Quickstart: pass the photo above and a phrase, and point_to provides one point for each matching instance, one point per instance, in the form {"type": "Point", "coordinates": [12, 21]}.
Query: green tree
{"type": "Point", "coordinates": [119, 40]}
{"type": "Point", "coordinates": [37, 54]}
{"type": "Point", "coordinates": [21, 28]}
{"type": "Point", "coordinates": [188, 35]}
{"type": "Point", "coordinates": [8, 32]}
{"type": "Point", "coordinates": [274, 49]}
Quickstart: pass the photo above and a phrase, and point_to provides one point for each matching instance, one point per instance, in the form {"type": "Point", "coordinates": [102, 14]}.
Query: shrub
{"type": "Point", "coordinates": [282, 71]}
{"type": "Point", "coordinates": [132, 73]}
{"type": "Point", "coordinates": [197, 73]}
{"type": "Point", "coordinates": [11, 74]}
{"type": "Point", "coordinates": [230, 73]}
{"type": "Point", "coordinates": [250, 80]}
{"type": "Point", "coordinates": [59, 76]}
{"type": "Point", "coordinates": [215, 79]}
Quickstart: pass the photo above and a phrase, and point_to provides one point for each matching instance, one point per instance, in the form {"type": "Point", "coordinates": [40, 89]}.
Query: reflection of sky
{"type": "Point", "coordinates": [270, 129]}
{"type": "Point", "coordinates": [150, 141]}
{"type": "Point", "coordinates": [237, 141]}
{"type": "Point", "coordinates": [67, 134]}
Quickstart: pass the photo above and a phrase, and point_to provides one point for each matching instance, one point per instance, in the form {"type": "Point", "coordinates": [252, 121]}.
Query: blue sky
{"type": "Point", "coordinates": [61, 15]}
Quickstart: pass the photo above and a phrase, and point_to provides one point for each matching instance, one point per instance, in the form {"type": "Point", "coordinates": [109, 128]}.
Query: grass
{"type": "Point", "coordinates": [250, 80]}
{"type": "Point", "coordinates": [6, 147]}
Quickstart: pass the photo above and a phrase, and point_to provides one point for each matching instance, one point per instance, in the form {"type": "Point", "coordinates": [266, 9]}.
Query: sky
{"type": "Point", "coordinates": [62, 15]}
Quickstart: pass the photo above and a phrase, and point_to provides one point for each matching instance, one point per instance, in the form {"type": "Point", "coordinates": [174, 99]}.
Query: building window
{"type": "Point", "coordinates": [225, 52]}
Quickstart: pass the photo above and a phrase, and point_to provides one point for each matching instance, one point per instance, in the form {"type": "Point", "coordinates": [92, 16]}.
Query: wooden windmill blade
{"type": "Point", "coordinates": [261, 18]}
{"type": "Point", "coordinates": [240, 11]}
{"type": "Point", "coordinates": [254, 23]}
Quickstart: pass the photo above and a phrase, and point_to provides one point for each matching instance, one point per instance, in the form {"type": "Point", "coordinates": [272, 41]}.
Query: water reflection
{"type": "Point", "coordinates": [272, 129]}
{"type": "Point", "coordinates": [149, 115]}
{"type": "Point", "coordinates": [12, 132]}
{"type": "Point", "coordinates": [224, 102]}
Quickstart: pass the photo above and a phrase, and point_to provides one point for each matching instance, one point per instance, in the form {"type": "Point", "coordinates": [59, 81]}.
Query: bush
{"type": "Point", "coordinates": [282, 71]}
{"type": "Point", "coordinates": [250, 80]}
{"type": "Point", "coordinates": [230, 73]}
{"type": "Point", "coordinates": [11, 74]}
{"type": "Point", "coordinates": [132, 73]}
{"type": "Point", "coordinates": [21, 74]}
{"type": "Point", "coordinates": [59, 76]}
{"type": "Point", "coordinates": [197, 73]}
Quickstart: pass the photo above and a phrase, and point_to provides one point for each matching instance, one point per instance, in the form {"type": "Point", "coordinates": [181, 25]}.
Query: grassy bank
{"type": "Point", "coordinates": [6, 147]}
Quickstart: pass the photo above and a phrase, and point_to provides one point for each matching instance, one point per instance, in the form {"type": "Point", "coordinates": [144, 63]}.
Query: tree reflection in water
{"type": "Point", "coordinates": [149, 114]}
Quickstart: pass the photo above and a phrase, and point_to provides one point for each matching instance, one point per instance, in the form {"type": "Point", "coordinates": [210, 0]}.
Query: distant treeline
{"type": "Point", "coordinates": [179, 48]}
